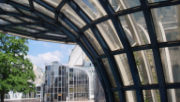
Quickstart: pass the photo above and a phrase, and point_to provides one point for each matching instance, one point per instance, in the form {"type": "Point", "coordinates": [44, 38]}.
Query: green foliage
{"type": "Point", "coordinates": [16, 71]}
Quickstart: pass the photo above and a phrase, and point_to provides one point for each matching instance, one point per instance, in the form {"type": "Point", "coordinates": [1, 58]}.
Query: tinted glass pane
{"type": "Point", "coordinates": [131, 96]}
{"type": "Point", "coordinates": [69, 12]}
{"type": "Point", "coordinates": [90, 36]}
{"type": "Point", "coordinates": [146, 68]}
{"type": "Point", "coordinates": [135, 29]}
{"type": "Point", "coordinates": [109, 33]}
{"type": "Point", "coordinates": [123, 67]}
{"type": "Point", "coordinates": [170, 57]}
{"type": "Point", "coordinates": [151, 96]}
{"type": "Point", "coordinates": [92, 8]}
{"type": "Point", "coordinates": [123, 4]}
{"type": "Point", "coordinates": [108, 71]}
{"type": "Point", "coordinates": [166, 21]}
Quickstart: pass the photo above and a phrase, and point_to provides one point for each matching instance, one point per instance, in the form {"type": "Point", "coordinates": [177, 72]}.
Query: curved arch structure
{"type": "Point", "coordinates": [133, 44]}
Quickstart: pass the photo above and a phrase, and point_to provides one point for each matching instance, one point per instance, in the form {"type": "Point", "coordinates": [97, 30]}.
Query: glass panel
{"type": "Point", "coordinates": [26, 19]}
{"type": "Point", "coordinates": [170, 57]}
{"type": "Point", "coordinates": [27, 12]}
{"type": "Point", "coordinates": [90, 36]}
{"type": "Point", "coordinates": [43, 10]}
{"type": "Point", "coordinates": [54, 3]}
{"type": "Point", "coordinates": [56, 35]}
{"type": "Point", "coordinates": [116, 97]}
{"type": "Point", "coordinates": [146, 68]}
{"type": "Point", "coordinates": [7, 7]}
{"type": "Point", "coordinates": [151, 96]}
{"type": "Point", "coordinates": [123, 4]}
{"type": "Point", "coordinates": [166, 21]}
{"type": "Point", "coordinates": [123, 67]}
{"type": "Point", "coordinates": [24, 2]}
{"type": "Point", "coordinates": [109, 33]}
{"type": "Point", "coordinates": [10, 18]}
{"type": "Point", "coordinates": [37, 27]}
{"type": "Point", "coordinates": [152, 1]}
{"type": "Point", "coordinates": [92, 8]}
{"type": "Point", "coordinates": [26, 29]}
{"type": "Point", "coordinates": [69, 12]}
{"type": "Point", "coordinates": [135, 29]}
{"type": "Point", "coordinates": [3, 22]}
{"type": "Point", "coordinates": [173, 95]}
{"type": "Point", "coordinates": [67, 26]}
{"type": "Point", "coordinates": [86, 47]}
{"type": "Point", "coordinates": [109, 72]}
{"type": "Point", "coordinates": [131, 96]}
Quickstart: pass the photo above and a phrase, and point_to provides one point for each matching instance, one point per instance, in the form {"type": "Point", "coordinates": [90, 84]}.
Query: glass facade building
{"type": "Point", "coordinates": [133, 44]}
{"type": "Point", "coordinates": [66, 84]}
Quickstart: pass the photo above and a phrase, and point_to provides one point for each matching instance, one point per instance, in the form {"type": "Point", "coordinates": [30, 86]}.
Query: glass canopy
{"type": "Point", "coordinates": [133, 44]}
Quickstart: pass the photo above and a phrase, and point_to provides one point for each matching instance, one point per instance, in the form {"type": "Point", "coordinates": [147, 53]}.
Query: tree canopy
{"type": "Point", "coordinates": [16, 70]}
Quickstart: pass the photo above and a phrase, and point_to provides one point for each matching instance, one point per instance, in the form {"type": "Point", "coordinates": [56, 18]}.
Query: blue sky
{"type": "Point", "coordinates": [41, 52]}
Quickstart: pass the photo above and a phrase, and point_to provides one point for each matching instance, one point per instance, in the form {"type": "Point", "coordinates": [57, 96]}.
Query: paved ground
{"type": "Point", "coordinates": [24, 100]}
{"type": "Point", "coordinates": [38, 100]}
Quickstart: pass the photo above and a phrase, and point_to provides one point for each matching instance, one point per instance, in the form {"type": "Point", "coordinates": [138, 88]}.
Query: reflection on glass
{"type": "Point", "coordinates": [92, 8]}
{"type": "Point", "coordinates": [146, 68]}
{"type": "Point", "coordinates": [10, 18]}
{"type": "Point", "coordinates": [67, 26]}
{"type": "Point", "coordinates": [43, 10]}
{"type": "Point", "coordinates": [123, 67]}
{"type": "Point", "coordinates": [6, 7]}
{"type": "Point", "coordinates": [24, 2]}
{"type": "Point", "coordinates": [131, 96]}
{"type": "Point", "coordinates": [54, 3]}
{"type": "Point", "coordinates": [116, 97]}
{"type": "Point", "coordinates": [173, 95]}
{"type": "Point", "coordinates": [170, 57]}
{"type": "Point", "coordinates": [151, 96]}
{"type": "Point", "coordinates": [123, 4]}
{"type": "Point", "coordinates": [152, 1]}
{"type": "Point", "coordinates": [3, 21]}
{"type": "Point", "coordinates": [109, 33]}
{"type": "Point", "coordinates": [90, 36]}
{"type": "Point", "coordinates": [166, 21]}
{"type": "Point", "coordinates": [69, 12]}
{"type": "Point", "coordinates": [86, 47]}
{"type": "Point", "coordinates": [26, 19]}
{"type": "Point", "coordinates": [135, 29]}
{"type": "Point", "coordinates": [37, 27]}
{"type": "Point", "coordinates": [108, 71]}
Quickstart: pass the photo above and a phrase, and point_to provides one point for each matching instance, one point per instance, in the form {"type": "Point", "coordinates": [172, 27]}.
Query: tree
{"type": "Point", "coordinates": [16, 70]}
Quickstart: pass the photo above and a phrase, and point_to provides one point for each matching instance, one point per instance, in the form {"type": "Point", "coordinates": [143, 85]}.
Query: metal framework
{"type": "Point", "coordinates": [107, 30]}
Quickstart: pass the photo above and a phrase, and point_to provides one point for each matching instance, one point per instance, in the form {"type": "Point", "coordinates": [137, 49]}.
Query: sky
{"type": "Point", "coordinates": [41, 52]}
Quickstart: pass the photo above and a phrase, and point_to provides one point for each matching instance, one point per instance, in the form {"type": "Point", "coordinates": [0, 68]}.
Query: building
{"type": "Point", "coordinates": [78, 59]}
{"type": "Point", "coordinates": [66, 84]}
{"type": "Point", "coordinates": [133, 44]}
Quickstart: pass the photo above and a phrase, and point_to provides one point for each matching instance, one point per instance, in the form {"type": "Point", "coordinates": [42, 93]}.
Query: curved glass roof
{"type": "Point", "coordinates": [134, 44]}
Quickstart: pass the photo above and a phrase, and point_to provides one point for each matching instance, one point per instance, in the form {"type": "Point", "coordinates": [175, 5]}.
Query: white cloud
{"type": "Point", "coordinates": [47, 45]}
{"type": "Point", "coordinates": [41, 59]}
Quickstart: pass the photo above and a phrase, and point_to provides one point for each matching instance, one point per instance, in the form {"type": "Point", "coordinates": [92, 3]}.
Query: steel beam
{"type": "Point", "coordinates": [155, 49]}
